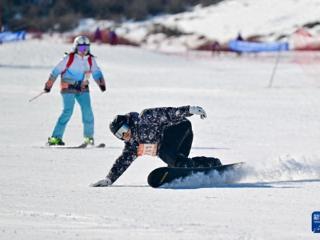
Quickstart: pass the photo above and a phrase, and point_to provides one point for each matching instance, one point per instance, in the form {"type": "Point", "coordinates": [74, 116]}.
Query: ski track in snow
{"type": "Point", "coordinates": [285, 170]}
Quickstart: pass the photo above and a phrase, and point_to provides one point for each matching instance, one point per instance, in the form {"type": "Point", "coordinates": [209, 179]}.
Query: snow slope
{"type": "Point", "coordinates": [45, 193]}
{"type": "Point", "coordinates": [270, 19]}
{"type": "Point", "coordinates": [251, 17]}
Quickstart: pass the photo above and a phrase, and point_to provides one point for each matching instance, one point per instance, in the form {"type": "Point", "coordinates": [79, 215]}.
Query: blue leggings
{"type": "Point", "coordinates": [68, 105]}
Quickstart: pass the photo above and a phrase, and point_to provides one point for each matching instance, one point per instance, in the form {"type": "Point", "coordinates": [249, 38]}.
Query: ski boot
{"type": "Point", "coordinates": [205, 162]}
{"type": "Point", "coordinates": [89, 141]}
{"type": "Point", "coordinates": [197, 162]}
{"type": "Point", "coordinates": [53, 141]}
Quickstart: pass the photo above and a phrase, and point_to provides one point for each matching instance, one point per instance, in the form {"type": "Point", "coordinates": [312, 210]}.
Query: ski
{"type": "Point", "coordinates": [81, 146]}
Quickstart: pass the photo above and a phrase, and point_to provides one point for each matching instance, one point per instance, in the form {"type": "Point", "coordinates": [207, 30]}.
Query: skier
{"type": "Point", "coordinates": [163, 132]}
{"type": "Point", "coordinates": [75, 70]}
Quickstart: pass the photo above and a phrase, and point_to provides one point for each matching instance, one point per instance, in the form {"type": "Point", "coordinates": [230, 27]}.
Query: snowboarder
{"type": "Point", "coordinates": [163, 132]}
{"type": "Point", "coordinates": [75, 70]}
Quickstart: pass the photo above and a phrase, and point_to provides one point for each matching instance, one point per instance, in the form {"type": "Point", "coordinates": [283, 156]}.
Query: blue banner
{"type": "Point", "coordinates": [316, 222]}
{"type": "Point", "coordinates": [244, 46]}
{"type": "Point", "coordinates": [12, 36]}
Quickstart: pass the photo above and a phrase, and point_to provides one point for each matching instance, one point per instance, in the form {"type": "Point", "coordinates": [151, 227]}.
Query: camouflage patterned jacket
{"type": "Point", "coordinates": [146, 128]}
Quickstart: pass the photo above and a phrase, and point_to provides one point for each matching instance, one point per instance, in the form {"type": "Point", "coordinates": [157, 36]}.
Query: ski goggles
{"type": "Point", "coordinates": [122, 130]}
{"type": "Point", "coordinates": [83, 48]}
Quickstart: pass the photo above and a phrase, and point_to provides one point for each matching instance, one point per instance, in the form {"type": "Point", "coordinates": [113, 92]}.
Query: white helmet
{"type": "Point", "coordinates": [81, 40]}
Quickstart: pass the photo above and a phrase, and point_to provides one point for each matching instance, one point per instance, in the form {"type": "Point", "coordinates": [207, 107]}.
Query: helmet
{"type": "Point", "coordinates": [119, 125]}
{"type": "Point", "coordinates": [81, 40]}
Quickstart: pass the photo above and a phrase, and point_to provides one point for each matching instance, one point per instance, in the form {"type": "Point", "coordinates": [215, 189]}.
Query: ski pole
{"type": "Point", "coordinates": [274, 69]}
{"type": "Point", "coordinates": [35, 97]}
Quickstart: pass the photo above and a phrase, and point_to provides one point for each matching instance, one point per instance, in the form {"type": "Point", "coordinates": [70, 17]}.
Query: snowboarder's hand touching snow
{"type": "Point", "coordinates": [102, 183]}
{"type": "Point", "coordinates": [198, 110]}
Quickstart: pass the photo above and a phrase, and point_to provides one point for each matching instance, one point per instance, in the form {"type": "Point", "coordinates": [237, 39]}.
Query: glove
{"type": "Point", "coordinates": [102, 87]}
{"type": "Point", "coordinates": [198, 110]}
{"type": "Point", "coordinates": [102, 84]}
{"type": "Point", "coordinates": [84, 84]}
{"type": "Point", "coordinates": [48, 86]}
{"type": "Point", "coordinates": [102, 183]}
{"type": "Point", "coordinates": [47, 89]}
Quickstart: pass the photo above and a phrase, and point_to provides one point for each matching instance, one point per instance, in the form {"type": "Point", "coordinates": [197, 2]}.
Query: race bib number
{"type": "Point", "coordinates": [147, 149]}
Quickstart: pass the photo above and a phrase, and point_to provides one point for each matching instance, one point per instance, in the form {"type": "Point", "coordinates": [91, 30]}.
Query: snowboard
{"type": "Point", "coordinates": [163, 175]}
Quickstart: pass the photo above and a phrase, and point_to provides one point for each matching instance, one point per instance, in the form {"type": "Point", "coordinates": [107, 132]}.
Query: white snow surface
{"type": "Point", "coordinates": [45, 193]}
{"type": "Point", "coordinates": [269, 19]}
{"type": "Point", "coordinates": [250, 17]}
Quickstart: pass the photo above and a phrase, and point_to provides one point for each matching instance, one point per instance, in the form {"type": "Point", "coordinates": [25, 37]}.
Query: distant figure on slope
{"type": "Point", "coordinates": [98, 35]}
{"type": "Point", "coordinates": [215, 48]}
{"type": "Point", "coordinates": [239, 37]}
{"type": "Point", "coordinates": [113, 38]}
{"type": "Point", "coordinates": [165, 132]}
{"type": "Point", "coordinates": [75, 70]}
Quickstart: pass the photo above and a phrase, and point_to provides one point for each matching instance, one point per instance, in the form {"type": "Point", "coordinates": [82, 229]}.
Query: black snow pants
{"type": "Point", "coordinates": [176, 144]}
